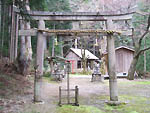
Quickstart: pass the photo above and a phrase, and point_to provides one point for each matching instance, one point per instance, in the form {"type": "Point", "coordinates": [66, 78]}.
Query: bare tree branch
{"type": "Point", "coordinates": [148, 23]}
{"type": "Point", "coordinates": [133, 39]}
{"type": "Point", "coordinates": [142, 13]}
{"type": "Point", "coordinates": [144, 34]}
{"type": "Point", "coordinates": [142, 50]}
{"type": "Point", "coordinates": [147, 30]}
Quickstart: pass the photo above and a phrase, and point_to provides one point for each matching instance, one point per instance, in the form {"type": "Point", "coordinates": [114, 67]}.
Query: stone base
{"type": "Point", "coordinates": [97, 78]}
{"type": "Point", "coordinates": [38, 102]}
{"type": "Point", "coordinates": [115, 103]}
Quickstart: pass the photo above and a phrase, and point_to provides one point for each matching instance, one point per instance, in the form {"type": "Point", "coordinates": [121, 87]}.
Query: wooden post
{"type": "Point", "coordinates": [40, 47]}
{"type": "Point", "coordinates": [59, 95]}
{"type": "Point", "coordinates": [76, 95]}
{"type": "Point", "coordinates": [76, 43]}
{"type": "Point", "coordinates": [111, 64]}
{"type": "Point", "coordinates": [16, 41]}
{"type": "Point", "coordinates": [61, 47]}
{"type": "Point", "coordinates": [39, 62]}
{"type": "Point", "coordinates": [35, 83]}
{"type": "Point", "coordinates": [52, 67]}
{"type": "Point", "coordinates": [68, 87]}
{"type": "Point", "coordinates": [53, 47]}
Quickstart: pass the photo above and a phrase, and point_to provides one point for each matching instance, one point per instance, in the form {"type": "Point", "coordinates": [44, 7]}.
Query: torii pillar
{"type": "Point", "coordinates": [39, 63]}
{"type": "Point", "coordinates": [113, 88]}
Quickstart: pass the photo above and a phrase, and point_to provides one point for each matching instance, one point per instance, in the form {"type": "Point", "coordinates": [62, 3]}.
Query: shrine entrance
{"type": "Point", "coordinates": [41, 32]}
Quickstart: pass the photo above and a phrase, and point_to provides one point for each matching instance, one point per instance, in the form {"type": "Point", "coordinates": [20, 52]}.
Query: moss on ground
{"type": "Point", "coordinates": [135, 104]}
{"type": "Point", "coordinates": [49, 80]}
{"type": "Point", "coordinates": [142, 82]}
{"type": "Point", "coordinates": [78, 109]}
{"type": "Point", "coordinates": [134, 82]}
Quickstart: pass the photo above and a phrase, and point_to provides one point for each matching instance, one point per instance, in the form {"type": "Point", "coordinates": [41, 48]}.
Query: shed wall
{"type": "Point", "coordinates": [123, 60]}
{"type": "Point", "coordinates": [74, 59]}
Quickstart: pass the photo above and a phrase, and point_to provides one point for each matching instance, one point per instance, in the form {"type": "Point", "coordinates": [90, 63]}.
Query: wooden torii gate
{"type": "Point", "coordinates": [41, 17]}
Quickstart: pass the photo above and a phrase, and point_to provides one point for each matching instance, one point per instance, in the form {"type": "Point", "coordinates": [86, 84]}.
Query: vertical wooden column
{"type": "Point", "coordinates": [61, 46]}
{"type": "Point", "coordinates": [76, 26]}
{"type": "Point", "coordinates": [39, 63]}
{"type": "Point", "coordinates": [68, 83]}
{"type": "Point", "coordinates": [76, 96]}
{"type": "Point", "coordinates": [59, 96]}
{"type": "Point", "coordinates": [12, 42]}
{"type": "Point", "coordinates": [76, 43]}
{"type": "Point", "coordinates": [111, 64]}
{"type": "Point", "coordinates": [16, 41]}
{"type": "Point", "coordinates": [40, 47]}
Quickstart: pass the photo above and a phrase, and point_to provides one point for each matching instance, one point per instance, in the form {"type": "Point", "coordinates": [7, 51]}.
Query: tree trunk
{"type": "Point", "coordinates": [12, 46]}
{"type": "Point", "coordinates": [111, 65]}
{"type": "Point", "coordinates": [22, 61]}
{"type": "Point", "coordinates": [132, 68]}
{"type": "Point", "coordinates": [144, 55]}
{"type": "Point", "coordinates": [25, 55]}
{"type": "Point", "coordinates": [28, 41]}
{"type": "Point", "coordinates": [2, 27]}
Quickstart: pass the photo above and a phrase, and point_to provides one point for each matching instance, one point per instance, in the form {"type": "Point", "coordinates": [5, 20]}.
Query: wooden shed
{"type": "Point", "coordinates": [74, 56]}
{"type": "Point", "coordinates": [124, 57]}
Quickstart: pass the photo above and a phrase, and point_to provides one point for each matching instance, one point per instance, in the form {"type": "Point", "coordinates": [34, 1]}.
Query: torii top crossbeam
{"type": "Point", "coordinates": [78, 16]}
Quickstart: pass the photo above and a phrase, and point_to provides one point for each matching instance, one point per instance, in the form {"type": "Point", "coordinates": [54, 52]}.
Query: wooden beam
{"type": "Point", "coordinates": [126, 32]}
{"type": "Point", "coordinates": [29, 32]}
{"type": "Point", "coordinates": [33, 32]}
{"type": "Point", "coordinates": [79, 31]}
{"type": "Point", "coordinates": [70, 18]}
{"type": "Point", "coordinates": [78, 16]}
{"type": "Point", "coordinates": [48, 13]}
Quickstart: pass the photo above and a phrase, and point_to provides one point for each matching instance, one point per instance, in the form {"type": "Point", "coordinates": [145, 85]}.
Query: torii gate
{"type": "Point", "coordinates": [41, 16]}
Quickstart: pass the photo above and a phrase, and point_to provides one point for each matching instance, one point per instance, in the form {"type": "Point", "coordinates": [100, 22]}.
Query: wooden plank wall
{"type": "Point", "coordinates": [123, 60]}
{"type": "Point", "coordinates": [72, 56]}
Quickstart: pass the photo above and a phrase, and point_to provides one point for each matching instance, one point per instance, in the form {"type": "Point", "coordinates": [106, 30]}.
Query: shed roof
{"type": "Point", "coordinates": [122, 47]}
{"type": "Point", "coordinates": [88, 54]}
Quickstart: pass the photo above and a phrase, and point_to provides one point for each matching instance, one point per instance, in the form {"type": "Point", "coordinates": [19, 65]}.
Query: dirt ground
{"type": "Point", "coordinates": [92, 94]}
{"type": "Point", "coordinates": [135, 93]}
